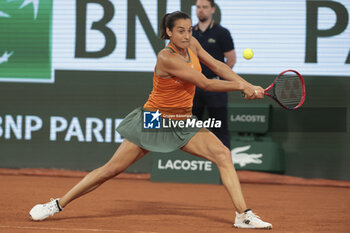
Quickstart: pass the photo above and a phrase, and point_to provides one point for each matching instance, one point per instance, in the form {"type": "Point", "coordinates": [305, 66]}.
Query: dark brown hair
{"type": "Point", "coordinates": [168, 21]}
{"type": "Point", "coordinates": [212, 3]}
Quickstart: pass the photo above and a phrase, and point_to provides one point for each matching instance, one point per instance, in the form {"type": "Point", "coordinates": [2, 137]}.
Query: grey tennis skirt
{"type": "Point", "coordinates": [157, 140]}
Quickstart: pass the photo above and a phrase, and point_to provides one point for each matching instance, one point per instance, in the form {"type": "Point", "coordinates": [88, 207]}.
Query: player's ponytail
{"type": "Point", "coordinates": [168, 21]}
{"type": "Point", "coordinates": [163, 34]}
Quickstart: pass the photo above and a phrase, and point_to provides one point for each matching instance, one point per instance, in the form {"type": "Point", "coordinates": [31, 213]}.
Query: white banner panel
{"type": "Point", "coordinates": [277, 31]}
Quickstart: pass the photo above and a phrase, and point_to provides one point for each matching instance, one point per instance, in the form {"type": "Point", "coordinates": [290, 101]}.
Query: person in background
{"type": "Point", "coordinates": [217, 41]}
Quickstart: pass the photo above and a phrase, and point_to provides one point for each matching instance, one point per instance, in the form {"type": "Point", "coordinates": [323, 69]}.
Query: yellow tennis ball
{"type": "Point", "coordinates": [248, 54]}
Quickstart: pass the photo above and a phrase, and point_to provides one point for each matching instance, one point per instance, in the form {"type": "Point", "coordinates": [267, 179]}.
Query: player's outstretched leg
{"type": "Point", "coordinates": [126, 154]}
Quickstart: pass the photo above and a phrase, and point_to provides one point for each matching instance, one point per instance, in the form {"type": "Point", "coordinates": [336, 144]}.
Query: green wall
{"type": "Point", "coordinates": [316, 151]}
{"type": "Point", "coordinates": [320, 147]}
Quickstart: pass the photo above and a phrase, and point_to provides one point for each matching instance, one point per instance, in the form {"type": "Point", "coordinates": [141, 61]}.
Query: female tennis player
{"type": "Point", "coordinates": [176, 73]}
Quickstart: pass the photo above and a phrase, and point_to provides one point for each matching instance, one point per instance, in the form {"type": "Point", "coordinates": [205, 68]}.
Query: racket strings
{"type": "Point", "coordinates": [288, 90]}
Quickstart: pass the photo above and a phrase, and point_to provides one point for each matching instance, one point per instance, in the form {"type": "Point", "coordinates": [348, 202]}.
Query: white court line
{"type": "Point", "coordinates": [73, 229]}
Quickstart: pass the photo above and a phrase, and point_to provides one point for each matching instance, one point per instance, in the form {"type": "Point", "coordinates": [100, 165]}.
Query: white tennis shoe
{"type": "Point", "coordinates": [43, 211]}
{"type": "Point", "coordinates": [248, 219]}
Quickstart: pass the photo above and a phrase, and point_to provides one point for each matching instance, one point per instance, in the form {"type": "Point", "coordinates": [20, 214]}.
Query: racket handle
{"type": "Point", "coordinates": [243, 95]}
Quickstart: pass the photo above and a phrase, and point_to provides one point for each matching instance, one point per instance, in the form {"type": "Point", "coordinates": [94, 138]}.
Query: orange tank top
{"type": "Point", "coordinates": [173, 97]}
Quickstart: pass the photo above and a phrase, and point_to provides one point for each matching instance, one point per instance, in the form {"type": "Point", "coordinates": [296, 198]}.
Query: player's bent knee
{"type": "Point", "coordinates": [223, 156]}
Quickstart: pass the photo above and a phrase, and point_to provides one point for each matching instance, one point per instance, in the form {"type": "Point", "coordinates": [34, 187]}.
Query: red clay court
{"type": "Point", "coordinates": [133, 204]}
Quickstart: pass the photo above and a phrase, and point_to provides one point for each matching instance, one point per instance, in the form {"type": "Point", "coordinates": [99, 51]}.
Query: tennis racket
{"type": "Point", "coordinates": [288, 90]}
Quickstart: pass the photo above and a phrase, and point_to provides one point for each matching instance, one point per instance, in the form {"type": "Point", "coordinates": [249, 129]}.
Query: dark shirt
{"type": "Point", "coordinates": [216, 40]}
